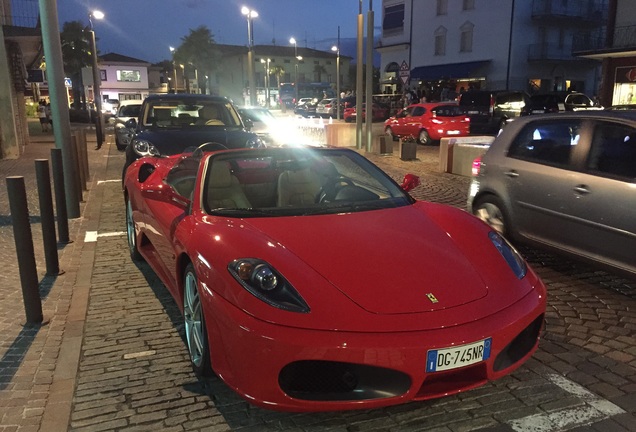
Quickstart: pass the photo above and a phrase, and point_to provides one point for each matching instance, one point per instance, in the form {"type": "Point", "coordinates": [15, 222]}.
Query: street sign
{"type": "Point", "coordinates": [405, 72]}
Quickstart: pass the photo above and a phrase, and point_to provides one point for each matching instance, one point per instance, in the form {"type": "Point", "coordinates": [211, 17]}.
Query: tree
{"type": "Point", "coordinates": [318, 71]}
{"type": "Point", "coordinates": [198, 50]}
{"type": "Point", "coordinates": [76, 54]}
{"type": "Point", "coordinates": [278, 72]}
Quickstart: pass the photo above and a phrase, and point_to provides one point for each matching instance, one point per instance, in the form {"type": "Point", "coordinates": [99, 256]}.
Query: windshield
{"type": "Point", "coordinates": [184, 114]}
{"type": "Point", "coordinates": [296, 181]}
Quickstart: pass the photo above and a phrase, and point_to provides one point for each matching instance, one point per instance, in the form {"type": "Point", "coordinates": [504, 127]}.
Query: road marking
{"type": "Point", "coordinates": [594, 409]}
{"type": "Point", "coordinates": [91, 236]}
{"type": "Point", "coordinates": [108, 181]}
{"type": "Point", "coordinates": [139, 354]}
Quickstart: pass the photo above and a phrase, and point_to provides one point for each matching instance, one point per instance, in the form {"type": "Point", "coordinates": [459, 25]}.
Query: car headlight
{"type": "Point", "coordinates": [266, 284]}
{"type": "Point", "coordinates": [144, 148]}
{"type": "Point", "coordinates": [254, 142]}
{"type": "Point", "coordinates": [509, 253]}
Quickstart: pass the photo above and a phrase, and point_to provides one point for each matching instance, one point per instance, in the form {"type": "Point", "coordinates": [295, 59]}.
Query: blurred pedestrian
{"type": "Point", "coordinates": [49, 118]}
{"type": "Point", "coordinates": [44, 121]}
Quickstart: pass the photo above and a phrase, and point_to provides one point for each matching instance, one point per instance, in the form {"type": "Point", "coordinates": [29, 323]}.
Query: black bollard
{"type": "Point", "coordinates": [85, 146]}
{"type": "Point", "coordinates": [46, 216]}
{"type": "Point", "coordinates": [80, 160]}
{"type": "Point", "coordinates": [60, 196]}
{"type": "Point", "coordinates": [76, 180]}
{"type": "Point", "coordinates": [24, 249]}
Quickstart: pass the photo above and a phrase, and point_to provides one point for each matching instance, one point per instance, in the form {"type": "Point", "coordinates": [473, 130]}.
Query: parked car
{"type": "Point", "coordinates": [327, 107]}
{"type": "Point", "coordinates": [261, 121]}
{"type": "Point", "coordinates": [543, 103]}
{"type": "Point", "coordinates": [169, 123]}
{"type": "Point", "coordinates": [306, 107]}
{"type": "Point", "coordinates": [490, 110]}
{"type": "Point", "coordinates": [127, 110]}
{"type": "Point", "coordinates": [621, 107]}
{"type": "Point", "coordinates": [428, 122]}
{"type": "Point", "coordinates": [379, 113]}
{"type": "Point", "coordinates": [565, 182]}
{"type": "Point", "coordinates": [243, 240]}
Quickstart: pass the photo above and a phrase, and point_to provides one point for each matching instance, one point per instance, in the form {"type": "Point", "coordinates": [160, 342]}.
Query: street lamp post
{"type": "Point", "coordinates": [174, 69]}
{"type": "Point", "coordinates": [337, 50]}
{"type": "Point", "coordinates": [250, 14]}
{"type": "Point", "coordinates": [97, 96]}
{"type": "Point", "coordinates": [293, 42]}
{"type": "Point", "coordinates": [266, 63]}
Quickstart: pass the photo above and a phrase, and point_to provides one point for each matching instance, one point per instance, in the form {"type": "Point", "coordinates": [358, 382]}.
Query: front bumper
{"type": "Point", "coordinates": [291, 369]}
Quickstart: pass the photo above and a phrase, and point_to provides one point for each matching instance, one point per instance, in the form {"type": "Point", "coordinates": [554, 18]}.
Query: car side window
{"type": "Point", "coordinates": [613, 151]}
{"type": "Point", "coordinates": [418, 111]}
{"type": "Point", "coordinates": [547, 142]}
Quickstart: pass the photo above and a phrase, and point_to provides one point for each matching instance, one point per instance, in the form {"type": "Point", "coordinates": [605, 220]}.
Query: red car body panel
{"type": "Point", "coordinates": [438, 127]}
{"type": "Point", "coordinates": [379, 113]}
{"type": "Point", "coordinates": [367, 276]}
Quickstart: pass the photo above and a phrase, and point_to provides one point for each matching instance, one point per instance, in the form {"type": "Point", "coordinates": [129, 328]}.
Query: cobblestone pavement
{"type": "Point", "coordinates": [131, 371]}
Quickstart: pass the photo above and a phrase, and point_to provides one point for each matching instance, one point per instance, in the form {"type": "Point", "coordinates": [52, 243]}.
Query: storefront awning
{"type": "Point", "coordinates": [448, 71]}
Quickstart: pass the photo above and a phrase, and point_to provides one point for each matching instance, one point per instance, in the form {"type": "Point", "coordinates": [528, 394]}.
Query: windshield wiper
{"type": "Point", "coordinates": [350, 206]}
{"type": "Point", "coordinates": [245, 212]}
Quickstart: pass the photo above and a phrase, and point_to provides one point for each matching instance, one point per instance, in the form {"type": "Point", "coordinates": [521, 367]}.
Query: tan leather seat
{"type": "Point", "coordinates": [298, 187]}
{"type": "Point", "coordinates": [224, 189]}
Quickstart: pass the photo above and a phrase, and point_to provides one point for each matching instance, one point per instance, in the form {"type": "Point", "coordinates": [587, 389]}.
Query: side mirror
{"type": "Point", "coordinates": [249, 124]}
{"type": "Point", "coordinates": [131, 124]}
{"type": "Point", "coordinates": [410, 182]}
{"type": "Point", "coordinates": [111, 120]}
{"type": "Point", "coordinates": [167, 194]}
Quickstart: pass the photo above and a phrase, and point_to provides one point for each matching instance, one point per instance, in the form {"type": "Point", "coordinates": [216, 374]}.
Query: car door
{"type": "Point", "coordinates": [399, 124]}
{"type": "Point", "coordinates": [602, 197]}
{"type": "Point", "coordinates": [164, 214]}
{"type": "Point", "coordinates": [413, 122]}
{"type": "Point", "coordinates": [540, 169]}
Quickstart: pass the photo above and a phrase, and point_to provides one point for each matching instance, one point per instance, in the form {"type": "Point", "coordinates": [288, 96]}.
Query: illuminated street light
{"type": "Point", "coordinates": [337, 50]}
{"type": "Point", "coordinates": [97, 95]}
{"type": "Point", "coordinates": [250, 15]}
{"type": "Point", "coordinates": [298, 58]}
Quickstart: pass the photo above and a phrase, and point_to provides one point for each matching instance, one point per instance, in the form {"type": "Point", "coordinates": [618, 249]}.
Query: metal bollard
{"type": "Point", "coordinates": [47, 218]}
{"type": "Point", "coordinates": [80, 160]}
{"type": "Point", "coordinates": [85, 151]}
{"type": "Point", "coordinates": [24, 249]}
{"type": "Point", "coordinates": [60, 196]}
{"type": "Point", "coordinates": [76, 180]}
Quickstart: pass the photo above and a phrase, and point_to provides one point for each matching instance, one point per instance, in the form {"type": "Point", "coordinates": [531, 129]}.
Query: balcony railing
{"type": "Point", "coordinates": [624, 37]}
{"type": "Point", "coordinates": [546, 51]}
{"type": "Point", "coordinates": [592, 11]}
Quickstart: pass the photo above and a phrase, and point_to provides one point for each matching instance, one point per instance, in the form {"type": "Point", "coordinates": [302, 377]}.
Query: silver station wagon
{"type": "Point", "coordinates": [566, 182]}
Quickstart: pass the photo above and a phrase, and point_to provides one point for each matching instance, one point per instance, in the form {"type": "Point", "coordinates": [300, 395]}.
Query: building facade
{"type": "Point", "coordinates": [490, 44]}
{"type": "Point", "coordinates": [616, 48]}
{"type": "Point", "coordinates": [124, 78]}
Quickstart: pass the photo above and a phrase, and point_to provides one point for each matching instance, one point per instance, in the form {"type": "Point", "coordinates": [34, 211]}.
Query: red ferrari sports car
{"type": "Point", "coordinates": [310, 281]}
{"type": "Point", "coordinates": [429, 122]}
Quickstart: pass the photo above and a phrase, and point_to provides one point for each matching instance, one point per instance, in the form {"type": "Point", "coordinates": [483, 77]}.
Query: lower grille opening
{"type": "Point", "coordinates": [442, 383]}
{"type": "Point", "coordinates": [520, 346]}
{"type": "Point", "coordinates": [320, 380]}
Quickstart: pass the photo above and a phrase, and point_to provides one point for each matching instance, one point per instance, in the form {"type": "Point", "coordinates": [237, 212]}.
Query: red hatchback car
{"type": "Point", "coordinates": [428, 122]}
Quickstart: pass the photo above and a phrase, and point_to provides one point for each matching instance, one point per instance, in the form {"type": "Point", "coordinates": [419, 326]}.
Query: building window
{"type": "Point", "coordinates": [393, 22]}
{"type": "Point", "coordinates": [440, 41]}
{"type": "Point", "coordinates": [468, 5]}
{"type": "Point", "coordinates": [129, 75]}
{"type": "Point", "coordinates": [129, 96]}
{"type": "Point", "coordinates": [286, 61]}
{"type": "Point", "coordinates": [466, 40]}
{"type": "Point", "coordinates": [442, 7]}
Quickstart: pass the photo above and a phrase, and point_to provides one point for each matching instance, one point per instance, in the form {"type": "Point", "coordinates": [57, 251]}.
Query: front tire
{"type": "Point", "coordinates": [194, 324]}
{"type": "Point", "coordinates": [491, 210]}
{"type": "Point", "coordinates": [424, 138]}
{"type": "Point", "coordinates": [131, 234]}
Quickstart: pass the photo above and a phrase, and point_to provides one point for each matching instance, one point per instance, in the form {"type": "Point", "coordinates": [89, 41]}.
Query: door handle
{"type": "Point", "coordinates": [512, 173]}
{"type": "Point", "coordinates": [582, 189]}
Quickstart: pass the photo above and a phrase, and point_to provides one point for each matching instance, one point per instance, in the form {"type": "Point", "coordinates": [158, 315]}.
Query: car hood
{"type": "Point", "coordinates": [175, 141]}
{"type": "Point", "coordinates": [395, 270]}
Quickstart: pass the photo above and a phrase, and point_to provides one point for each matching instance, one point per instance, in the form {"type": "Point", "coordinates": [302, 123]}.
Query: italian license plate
{"type": "Point", "coordinates": [453, 132]}
{"type": "Point", "coordinates": [459, 356]}
{"type": "Point", "coordinates": [538, 112]}
{"type": "Point", "coordinates": [473, 112]}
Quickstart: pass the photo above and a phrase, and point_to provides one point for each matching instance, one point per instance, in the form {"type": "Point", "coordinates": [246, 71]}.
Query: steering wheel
{"type": "Point", "coordinates": [208, 147]}
{"type": "Point", "coordinates": [330, 189]}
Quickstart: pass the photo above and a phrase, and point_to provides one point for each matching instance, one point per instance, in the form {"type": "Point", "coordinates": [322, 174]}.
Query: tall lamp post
{"type": "Point", "coordinates": [250, 14]}
{"type": "Point", "coordinates": [266, 63]}
{"type": "Point", "coordinates": [97, 95]}
{"type": "Point", "coordinates": [174, 69]}
{"type": "Point", "coordinates": [337, 50]}
{"type": "Point", "coordinates": [293, 42]}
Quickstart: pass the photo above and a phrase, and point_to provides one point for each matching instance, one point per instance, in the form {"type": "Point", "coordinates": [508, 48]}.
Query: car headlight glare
{"type": "Point", "coordinates": [145, 148]}
{"type": "Point", "coordinates": [509, 253]}
{"type": "Point", "coordinates": [265, 283]}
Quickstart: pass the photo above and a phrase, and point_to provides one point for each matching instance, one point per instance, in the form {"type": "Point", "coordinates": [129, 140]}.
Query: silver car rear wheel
{"type": "Point", "coordinates": [491, 211]}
